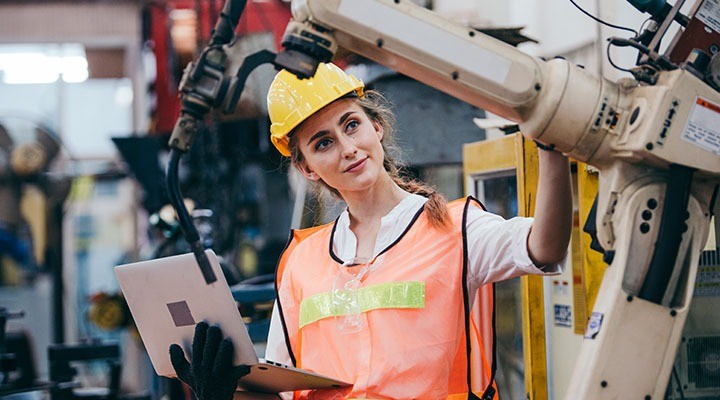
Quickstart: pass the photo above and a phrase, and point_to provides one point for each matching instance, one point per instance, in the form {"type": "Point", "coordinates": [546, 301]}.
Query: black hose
{"type": "Point", "coordinates": [672, 226]}
{"type": "Point", "coordinates": [224, 29]}
{"type": "Point", "coordinates": [193, 111]}
{"type": "Point", "coordinates": [186, 222]}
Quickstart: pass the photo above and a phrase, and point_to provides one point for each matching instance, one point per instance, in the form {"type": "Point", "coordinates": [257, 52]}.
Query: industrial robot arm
{"type": "Point", "coordinates": [655, 140]}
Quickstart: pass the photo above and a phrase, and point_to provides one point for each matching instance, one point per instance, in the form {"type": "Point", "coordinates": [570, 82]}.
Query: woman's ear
{"type": "Point", "coordinates": [378, 129]}
{"type": "Point", "coordinates": [306, 171]}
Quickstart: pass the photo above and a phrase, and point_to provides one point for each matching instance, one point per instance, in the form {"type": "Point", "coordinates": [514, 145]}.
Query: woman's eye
{"type": "Point", "coordinates": [322, 143]}
{"type": "Point", "coordinates": [351, 125]}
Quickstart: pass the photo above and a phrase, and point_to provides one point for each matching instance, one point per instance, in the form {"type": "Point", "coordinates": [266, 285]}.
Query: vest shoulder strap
{"type": "Point", "coordinates": [301, 234]}
{"type": "Point", "coordinates": [469, 200]}
{"type": "Point", "coordinates": [297, 236]}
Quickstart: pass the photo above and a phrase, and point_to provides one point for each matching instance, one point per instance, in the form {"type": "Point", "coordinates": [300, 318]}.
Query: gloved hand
{"type": "Point", "coordinates": [211, 376]}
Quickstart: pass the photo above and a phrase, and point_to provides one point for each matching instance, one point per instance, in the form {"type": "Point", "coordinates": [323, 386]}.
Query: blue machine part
{"type": "Point", "coordinates": [14, 246]}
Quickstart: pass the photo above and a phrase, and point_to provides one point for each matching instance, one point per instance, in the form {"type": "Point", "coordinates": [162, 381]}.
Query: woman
{"type": "Point", "coordinates": [381, 297]}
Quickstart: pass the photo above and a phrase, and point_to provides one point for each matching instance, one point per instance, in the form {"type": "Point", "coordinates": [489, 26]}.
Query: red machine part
{"type": "Point", "coordinates": [271, 15]}
{"type": "Point", "coordinates": [702, 32]}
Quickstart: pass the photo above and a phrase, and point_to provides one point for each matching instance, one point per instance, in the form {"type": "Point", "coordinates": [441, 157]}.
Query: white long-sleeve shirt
{"type": "Point", "coordinates": [497, 250]}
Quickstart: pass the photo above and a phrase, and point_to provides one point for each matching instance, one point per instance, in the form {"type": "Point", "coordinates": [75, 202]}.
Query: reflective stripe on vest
{"type": "Point", "coordinates": [384, 295]}
{"type": "Point", "coordinates": [412, 307]}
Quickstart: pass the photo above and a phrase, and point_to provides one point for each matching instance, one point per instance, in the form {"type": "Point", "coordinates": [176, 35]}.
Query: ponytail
{"type": "Point", "coordinates": [435, 207]}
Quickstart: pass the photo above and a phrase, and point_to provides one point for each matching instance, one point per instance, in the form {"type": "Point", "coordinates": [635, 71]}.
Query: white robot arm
{"type": "Point", "coordinates": [656, 144]}
{"type": "Point", "coordinates": [553, 101]}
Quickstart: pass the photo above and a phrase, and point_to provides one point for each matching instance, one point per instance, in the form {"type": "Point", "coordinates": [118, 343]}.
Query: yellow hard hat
{"type": "Point", "coordinates": [292, 100]}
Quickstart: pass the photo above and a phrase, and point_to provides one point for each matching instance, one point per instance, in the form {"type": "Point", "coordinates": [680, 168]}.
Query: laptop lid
{"type": "Point", "coordinates": [168, 296]}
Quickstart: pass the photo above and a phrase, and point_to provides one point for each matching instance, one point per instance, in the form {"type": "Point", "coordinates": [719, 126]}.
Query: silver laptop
{"type": "Point", "coordinates": [168, 296]}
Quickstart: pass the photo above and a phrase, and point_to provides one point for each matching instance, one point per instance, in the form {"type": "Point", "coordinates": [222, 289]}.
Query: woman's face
{"type": "Point", "coordinates": [341, 146]}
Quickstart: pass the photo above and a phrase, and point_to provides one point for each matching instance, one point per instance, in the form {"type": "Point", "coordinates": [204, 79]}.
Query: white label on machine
{"type": "Point", "coordinates": [437, 42]}
{"type": "Point", "coordinates": [703, 125]}
{"type": "Point", "coordinates": [563, 315]}
{"type": "Point", "coordinates": [709, 13]}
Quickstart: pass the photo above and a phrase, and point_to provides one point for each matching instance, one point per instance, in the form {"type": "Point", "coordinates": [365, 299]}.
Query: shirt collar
{"type": "Point", "coordinates": [392, 225]}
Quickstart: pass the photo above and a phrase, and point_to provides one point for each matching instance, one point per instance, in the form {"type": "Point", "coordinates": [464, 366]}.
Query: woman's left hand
{"type": "Point", "coordinates": [211, 375]}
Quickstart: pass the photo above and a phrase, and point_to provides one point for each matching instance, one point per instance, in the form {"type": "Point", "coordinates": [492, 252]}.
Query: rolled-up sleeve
{"type": "Point", "coordinates": [497, 248]}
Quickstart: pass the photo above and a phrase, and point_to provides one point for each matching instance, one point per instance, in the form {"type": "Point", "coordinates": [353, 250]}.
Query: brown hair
{"type": "Point", "coordinates": [378, 109]}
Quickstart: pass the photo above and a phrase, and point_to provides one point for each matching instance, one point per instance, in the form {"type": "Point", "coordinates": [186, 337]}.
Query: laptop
{"type": "Point", "coordinates": [168, 297]}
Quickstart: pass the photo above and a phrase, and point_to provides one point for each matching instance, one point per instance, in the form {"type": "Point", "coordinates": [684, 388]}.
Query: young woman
{"type": "Point", "coordinates": [382, 297]}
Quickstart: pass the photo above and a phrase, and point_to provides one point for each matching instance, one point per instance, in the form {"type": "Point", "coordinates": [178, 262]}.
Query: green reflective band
{"type": "Point", "coordinates": [384, 295]}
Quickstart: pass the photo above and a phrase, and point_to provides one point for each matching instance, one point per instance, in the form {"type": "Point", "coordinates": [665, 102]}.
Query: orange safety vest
{"type": "Point", "coordinates": [420, 338]}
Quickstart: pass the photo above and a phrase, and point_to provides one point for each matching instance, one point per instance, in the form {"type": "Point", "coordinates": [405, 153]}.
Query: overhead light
{"type": "Point", "coordinates": [43, 63]}
{"type": "Point", "coordinates": [73, 69]}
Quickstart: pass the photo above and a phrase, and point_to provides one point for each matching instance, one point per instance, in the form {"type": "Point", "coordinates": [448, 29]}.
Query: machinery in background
{"type": "Point", "coordinates": [30, 239]}
{"type": "Point", "coordinates": [27, 151]}
{"type": "Point", "coordinates": [696, 374]}
{"type": "Point", "coordinates": [18, 375]}
{"type": "Point", "coordinates": [17, 372]}
{"type": "Point", "coordinates": [63, 371]}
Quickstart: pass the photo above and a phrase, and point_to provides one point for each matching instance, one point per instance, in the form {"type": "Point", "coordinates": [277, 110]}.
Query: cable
{"type": "Point", "coordinates": [186, 222]}
{"type": "Point", "coordinates": [656, 61]}
{"type": "Point", "coordinates": [642, 26]}
{"type": "Point", "coordinates": [611, 61]}
{"type": "Point", "coordinates": [677, 379]}
{"type": "Point", "coordinates": [601, 21]}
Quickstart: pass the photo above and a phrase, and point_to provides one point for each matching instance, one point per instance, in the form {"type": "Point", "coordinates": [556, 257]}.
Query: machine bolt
{"type": "Point", "coordinates": [649, 146]}
{"type": "Point", "coordinates": [455, 75]}
{"type": "Point", "coordinates": [629, 298]}
{"type": "Point", "coordinates": [644, 227]}
{"type": "Point", "coordinates": [673, 313]}
{"type": "Point", "coordinates": [646, 215]}
{"type": "Point", "coordinates": [603, 384]}
{"type": "Point", "coordinates": [652, 204]}
{"type": "Point", "coordinates": [380, 42]}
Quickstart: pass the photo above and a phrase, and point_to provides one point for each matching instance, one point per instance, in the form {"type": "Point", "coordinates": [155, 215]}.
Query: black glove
{"type": "Point", "coordinates": [211, 376]}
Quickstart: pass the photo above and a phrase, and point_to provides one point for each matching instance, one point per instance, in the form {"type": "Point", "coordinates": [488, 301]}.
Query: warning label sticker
{"type": "Point", "coordinates": [703, 125]}
{"type": "Point", "coordinates": [563, 315]}
{"type": "Point", "coordinates": [709, 14]}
